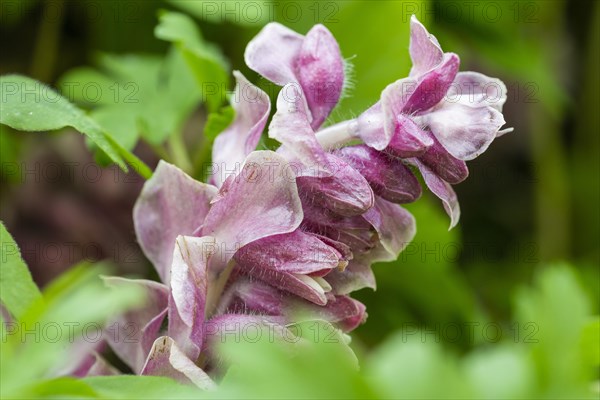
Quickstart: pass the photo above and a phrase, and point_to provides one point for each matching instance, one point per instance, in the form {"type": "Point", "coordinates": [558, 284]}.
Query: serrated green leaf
{"type": "Point", "coordinates": [17, 289]}
{"type": "Point", "coordinates": [205, 60]}
{"type": "Point", "coordinates": [29, 105]}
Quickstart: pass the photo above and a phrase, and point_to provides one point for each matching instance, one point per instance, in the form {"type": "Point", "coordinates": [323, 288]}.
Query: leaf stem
{"type": "Point", "coordinates": [179, 153]}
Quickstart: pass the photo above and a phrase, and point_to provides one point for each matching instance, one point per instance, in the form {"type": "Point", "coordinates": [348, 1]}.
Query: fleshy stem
{"type": "Point", "coordinates": [336, 136]}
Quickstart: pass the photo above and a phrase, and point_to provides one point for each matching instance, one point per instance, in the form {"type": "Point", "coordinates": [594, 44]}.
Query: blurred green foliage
{"type": "Point", "coordinates": [559, 361]}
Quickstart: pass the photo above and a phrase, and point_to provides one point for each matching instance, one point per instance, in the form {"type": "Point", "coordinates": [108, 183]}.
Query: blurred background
{"type": "Point", "coordinates": [532, 199]}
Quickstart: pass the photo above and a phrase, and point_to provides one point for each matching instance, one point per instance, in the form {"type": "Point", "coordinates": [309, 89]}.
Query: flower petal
{"type": "Point", "coordinates": [343, 249]}
{"type": "Point", "coordinates": [388, 177]}
{"type": "Point", "coordinates": [464, 131]}
{"type": "Point", "coordinates": [357, 275]}
{"type": "Point", "coordinates": [476, 90]}
{"type": "Point", "coordinates": [417, 94]}
{"type": "Point", "coordinates": [189, 285]}
{"type": "Point", "coordinates": [320, 71]}
{"type": "Point", "coordinates": [273, 53]}
{"type": "Point", "coordinates": [432, 86]}
{"type": "Point", "coordinates": [372, 127]}
{"type": "Point", "coordinates": [170, 204]}
{"type": "Point", "coordinates": [101, 367]}
{"type": "Point", "coordinates": [393, 100]}
{"type": "Point", "coordinates": [443, 191]}
{"type": "Point", "coordinates": [408, 140]}
{"type": "Point", "coordinates": [166, 359]}
{"type": "Point", "coordinates": [394, 225]}
{"type": "Point", "coordinates": [424, 48]}
{"type": "Point", "coordinates": [443, 164]}
{"type": "Point", "coordinates": [295, 252]}
{"type": "Point", "coordinates": [137, 329]}
{"type": "Point", "coordinates": [291, 126]}
{"type": "Point", "coordinates": [346, 192]}
{"type": "Point", "coordinates": [261, 201]}
{"type": "Point", "coordinates": [244, 296]}
{"type": "Point", "coordinates": [254, 297]}
{"type": "Point", "coordinates": [94, 365]}
{"type": "Point", "coordinates": [310, 288]}
{"type": "Point", "coordinates": [252, 107]}
{"type": "Point", "coordinates": [342, 311]}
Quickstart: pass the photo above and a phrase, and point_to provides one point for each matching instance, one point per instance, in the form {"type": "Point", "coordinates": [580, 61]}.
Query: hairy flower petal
{"type": "Point", "coordinates": [432, 86]}
{"type": "Point", "coordinates": [442, 190]}
{"type": "Point", "coordinates": [312, 63]}
{"type": "Point", "coordinates": [357, 275]}
{"type": "Point", "coordinates": [166, 359]}
{"type": "Point", "coordinates": [346, 192]}
{"type": "Point", "coordinates": [310, 288]}
{"type": "Point", "coordinates": [170, 204]}
{"type": "Point", "coordinates": [388, 177]}
{"type": "Point", "coordinates": [189, 286]}
{"type": "Point", "coordinates": [252, 107]}
{"type": "Point", "coordinates": [261, 201]}
{"type": "Point", "coordinates": [256, 297]}
{"type": "Point", "coordinates": [320, 71]}
{"type": "Point", "coordinates": [443, 164]}
{"type": "Point", "coordinates": [273, 53]}
{"type": "Point", "coordinates": [291, 126]}
{"type": "Point", "coordinates": [296, 252]}
{"type": "Point", "coordinates": [408, 140]}
{"type": "Point", "coordinates": [395, 227]}
{"type": "Point", "coordinates": [476, 90]}
{"type": "Point", "coordinates": [425, 50]}
{"type": "Point", "coordinates": [137, 329]}
{"type": "Point", "coordinates": [464, 131]}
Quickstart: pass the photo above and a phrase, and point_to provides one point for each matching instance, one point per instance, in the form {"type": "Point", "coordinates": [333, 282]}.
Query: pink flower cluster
{"type": "Point", "coordinates": [295, 231]}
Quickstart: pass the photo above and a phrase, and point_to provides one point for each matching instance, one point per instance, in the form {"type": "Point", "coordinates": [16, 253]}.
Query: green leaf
{"type": "Point", "coordinates": [140, 387]}
{"type": "Point", "coordinates": [60, 388]}
{"type": "Point", "coordinates": [591, 341]}
{"type": "Point", "coordinates": [17, 290]}
{"type": "Point", "coordinates": [53, 335]}
{"type": "Point", "coordinates": [405, 366]}
{"type": "Point", "coordinates": [217, 122]}
{"type": "Point", "coordinates": [552, 317]}
{"type": "Point", "coordinates": [503, 371]}
{"type": "Point", "coordinates": [317, 366]}
{"type": "Point", "coordinates": [255, 13]}
{"type": "Point", "coordinates": [205, 60]}
{"type": "Point", "coordinates": [29, 105]}
{"type": "Point", "coordinates": [147, 95]}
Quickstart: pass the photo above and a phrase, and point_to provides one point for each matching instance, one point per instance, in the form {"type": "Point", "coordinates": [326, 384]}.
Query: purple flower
{"type": "Point", "coordinates": [287, 236]}
{"type": "Point", "coordinates": [252, 107]}
{"type": "Point", "coordinates": [248, 228]}
{"type": "Point", "coordinates": [312, 62]}
{"type": "Point", "coordinates": [437, 118]}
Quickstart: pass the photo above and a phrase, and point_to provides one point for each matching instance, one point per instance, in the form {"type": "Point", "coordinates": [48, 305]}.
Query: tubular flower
{"type": "Point", "coordinates": [289, 234]}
